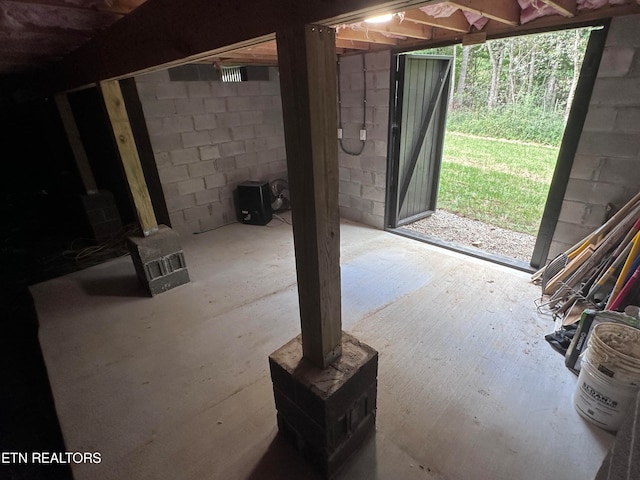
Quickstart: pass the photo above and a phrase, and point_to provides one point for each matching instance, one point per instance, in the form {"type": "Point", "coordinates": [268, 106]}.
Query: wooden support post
{"type": "Point", "coordinates": [73, 135]}
{"type": "Point", "coordinates": [117, 111]}
{"type": "Point", "coordinates": [307, 62]}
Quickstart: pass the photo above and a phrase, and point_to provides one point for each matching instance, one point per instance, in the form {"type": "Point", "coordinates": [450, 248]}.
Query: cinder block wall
{"type": "Point", "coordinates": [606, 167]}
{"type": "Point", "coordinates": [363, 177]}
{"type": "Point", "coordinates": [208, 136]}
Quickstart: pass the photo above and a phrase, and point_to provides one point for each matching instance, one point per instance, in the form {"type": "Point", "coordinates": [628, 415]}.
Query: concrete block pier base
{"type": "Point", "coordinates": [159, 260]}
{"type": "Point", "coordinates": [326, 413]}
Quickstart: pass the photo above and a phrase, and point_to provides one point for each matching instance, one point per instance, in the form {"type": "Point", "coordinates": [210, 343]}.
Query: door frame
{"type": "Point", "coordinates": [564, 163]}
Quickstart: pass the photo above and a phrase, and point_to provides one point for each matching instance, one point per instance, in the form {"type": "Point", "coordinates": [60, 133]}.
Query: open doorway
{"type": "Point", "coordinates": [478, 181]}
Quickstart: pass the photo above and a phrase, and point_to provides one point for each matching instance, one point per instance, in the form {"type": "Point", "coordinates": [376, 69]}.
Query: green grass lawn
{"type": "Point", "coordinates": [497, 182]}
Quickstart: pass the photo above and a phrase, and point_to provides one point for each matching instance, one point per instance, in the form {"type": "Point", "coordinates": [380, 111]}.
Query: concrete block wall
{"type": "Point", "coordinates": [208, 136]}
{"type": "Point", "coordinates": [363, 177]}
{"type": "Point", "coordinates": [606, 167]}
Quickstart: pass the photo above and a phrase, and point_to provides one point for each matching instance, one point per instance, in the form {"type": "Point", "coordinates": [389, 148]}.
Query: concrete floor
{"type": "Point", "coordinates": [178, 386]}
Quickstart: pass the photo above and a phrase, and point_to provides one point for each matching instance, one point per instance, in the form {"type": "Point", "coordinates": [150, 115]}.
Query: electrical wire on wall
{"type": "Point", "coordinates": [364, 111]}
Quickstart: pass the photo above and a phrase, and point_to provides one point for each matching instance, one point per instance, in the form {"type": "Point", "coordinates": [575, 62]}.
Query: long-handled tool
{"type": "Point", "coordinates": [635, 250]}
{"type": "Point", "coordinates": [586, 270]}
{"type": "Point", "coordinates": [558, 263]}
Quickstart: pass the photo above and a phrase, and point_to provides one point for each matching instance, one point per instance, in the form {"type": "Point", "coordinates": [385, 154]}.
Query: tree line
{"type": "Point", "coordinates": [537, 70]}
{"type": "Point", "coordinates": [508, 82]}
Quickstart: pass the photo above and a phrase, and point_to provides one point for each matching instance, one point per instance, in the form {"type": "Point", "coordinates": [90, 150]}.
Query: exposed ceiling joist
{"type": "Point", "coordinates": [268, 48]}
{"type": "Point", "coordinates": [335, 13]}
{"type": "Point", "coordinates": [348, 33]}
{"type": "Point", "coordinates": [101, 39]}
{"type": "Point", "coordinates": [239, 58]}
{"type": "Point", "coordinates": [265, 53]}
{"type": "Point", "coordinates": [456, 22]}
{"type": "Point", "coordinates": [498, 30]}
{"type": "Point", "coordinates": [399, 28]}
{"type": "Point", "coordinates": [504, 11]}
{"type": "Point", "coordinates": [351, 44]}
{"type": "Point", "coordinates": [566, 8]}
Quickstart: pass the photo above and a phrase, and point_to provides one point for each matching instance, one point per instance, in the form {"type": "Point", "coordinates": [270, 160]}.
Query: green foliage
{"type": "Point", "coordinates": [535, 69]}
{"type": "Point", "coordinates": [517, 89]}
{"type": "Point", "coordinates": [526, 123]}
{"type": "Point", "coordinates": [497, 182]}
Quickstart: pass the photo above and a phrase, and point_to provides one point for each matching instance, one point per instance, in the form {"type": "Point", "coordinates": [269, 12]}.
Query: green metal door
{"type": "Point", "coordinates": [420, 92]}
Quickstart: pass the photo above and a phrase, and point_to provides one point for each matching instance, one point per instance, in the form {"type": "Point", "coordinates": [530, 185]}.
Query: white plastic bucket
{"type": "Point", "coordinates": [610, 375]}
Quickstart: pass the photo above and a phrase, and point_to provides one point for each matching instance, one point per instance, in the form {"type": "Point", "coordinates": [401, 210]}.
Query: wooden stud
{"type": "Point", "coordinates": [308, 84]}
{"type": "Point", "coordinates": [75, 141]}
{"type": "Point", "coordinates": [117, 112]}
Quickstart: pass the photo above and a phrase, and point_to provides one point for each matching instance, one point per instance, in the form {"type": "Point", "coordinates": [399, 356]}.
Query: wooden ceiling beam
{"type": "Point", "coordinates": [495, 29]}
{"type": "Point", "coordinates": [582, 18]}
{"type": "Point", "coordinates": [335, 13]}
{"type": "Point", "coordinates": [163, 33]}
{"type": "Point", "coordinates": [503, 11]}
{"type": "Point", "coordinates": [399, 28]}
{"type": "Point", "coordinates": [456, 22]}
{"type": "Point", "coordinates": [566, 8]}
{"type": "Point", "coordinates": [241, 54]}
{"type": "Point", "coordinates": [267, 48]}
{"type": "Point", "coordinates": [232, 62]}
{"type": "Point", "coordinates": [361, 36]}
{"type": "Point", "coordinates": [238, 58]}
{"type": "Point", "coordinates": [352, 44]}
{"type": "Point", "coordinates": [266, 53]}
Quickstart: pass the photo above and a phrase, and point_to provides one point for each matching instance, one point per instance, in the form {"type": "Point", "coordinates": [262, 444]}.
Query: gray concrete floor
{"type": "Point", "coordinates": [178, 386]}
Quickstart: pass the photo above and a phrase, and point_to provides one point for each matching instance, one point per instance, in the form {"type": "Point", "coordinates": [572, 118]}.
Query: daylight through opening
{"type": "Point", "coordinates": [507, 109]}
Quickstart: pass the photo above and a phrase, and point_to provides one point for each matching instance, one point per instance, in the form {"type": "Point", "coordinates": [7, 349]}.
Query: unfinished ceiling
{"type": "Point", "coordinates": [37, 33]}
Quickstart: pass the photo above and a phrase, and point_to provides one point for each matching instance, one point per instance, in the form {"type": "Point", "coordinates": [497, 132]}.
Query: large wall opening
{"type": "Point", "coordinates": [507, 107]}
